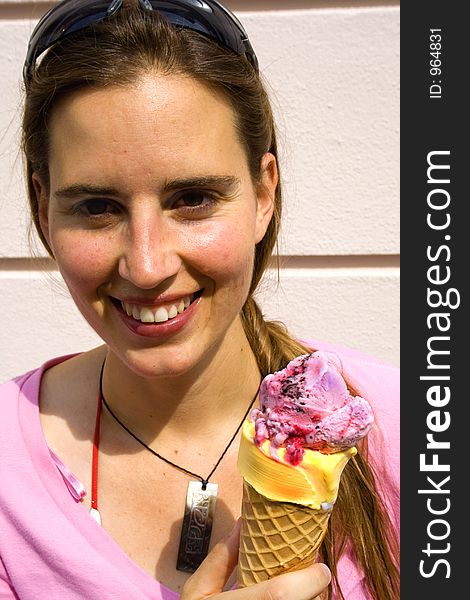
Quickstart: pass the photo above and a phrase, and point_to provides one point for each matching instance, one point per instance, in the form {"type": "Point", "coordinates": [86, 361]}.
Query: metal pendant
{"type": "Point", "coordinates": [197, 525]}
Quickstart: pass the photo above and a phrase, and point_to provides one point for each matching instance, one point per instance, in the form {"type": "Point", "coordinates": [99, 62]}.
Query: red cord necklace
{"type": "Point", "coordinates": [94, 511]}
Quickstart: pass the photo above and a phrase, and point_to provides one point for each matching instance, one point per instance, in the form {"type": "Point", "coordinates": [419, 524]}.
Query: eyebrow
{"type": "Point", "coordinates": [202, 182]}
{"type": "Point", "coordinates": [73, 191]}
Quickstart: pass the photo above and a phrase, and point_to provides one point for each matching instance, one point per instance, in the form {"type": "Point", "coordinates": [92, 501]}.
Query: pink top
{"type": "Point", "coordinates": [52, 549]}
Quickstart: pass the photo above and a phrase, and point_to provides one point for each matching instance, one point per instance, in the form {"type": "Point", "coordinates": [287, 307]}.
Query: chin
{"type": "Point", "coordinates": [151, 363]}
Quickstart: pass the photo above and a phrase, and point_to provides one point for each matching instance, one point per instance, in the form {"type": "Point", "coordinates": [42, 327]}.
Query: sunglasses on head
{"type": "Point", "coordinates": [204, 16]}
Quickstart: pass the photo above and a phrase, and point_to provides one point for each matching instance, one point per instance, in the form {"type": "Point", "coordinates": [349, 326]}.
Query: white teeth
{"type": "Point", "coordinates": [126, 308]}
{"type": "Point", "coordinates": [146, 315]}
{"type": "Point", "coordinates": [161, 315]}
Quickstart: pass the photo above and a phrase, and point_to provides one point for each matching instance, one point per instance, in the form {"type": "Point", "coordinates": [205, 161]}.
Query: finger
{"type": "Point", "coordinates": [306, 584]}
{"type": "Point", "coordinates": [216, 568]}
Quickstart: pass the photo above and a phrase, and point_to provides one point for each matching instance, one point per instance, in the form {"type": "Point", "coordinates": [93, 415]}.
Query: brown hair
{"type": "Point", "coordinates": [117, 52]}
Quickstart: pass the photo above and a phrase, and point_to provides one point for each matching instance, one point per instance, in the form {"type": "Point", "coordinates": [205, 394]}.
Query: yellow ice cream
{"type": "Point", "coordinates": [313, 483]}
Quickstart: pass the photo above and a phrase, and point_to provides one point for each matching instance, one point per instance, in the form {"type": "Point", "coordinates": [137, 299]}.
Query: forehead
{"type": "Point", "coordinates": [168, 125]}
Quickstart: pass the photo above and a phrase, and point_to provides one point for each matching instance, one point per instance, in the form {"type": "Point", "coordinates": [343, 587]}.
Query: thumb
{"type": "Point", "coordinates": [212, 575]}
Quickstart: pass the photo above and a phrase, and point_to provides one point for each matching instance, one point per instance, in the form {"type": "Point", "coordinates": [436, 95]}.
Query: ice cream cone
{"type": "Point", "coordinates": [276, 537]}
{"type": "Point", "coordinates": [285, 509]}
{"type": "Point", "coordinates": [292, 453]}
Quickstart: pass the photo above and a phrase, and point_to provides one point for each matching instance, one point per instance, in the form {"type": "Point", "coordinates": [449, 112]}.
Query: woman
{"type": "Point", "coordinates": [153, 182]}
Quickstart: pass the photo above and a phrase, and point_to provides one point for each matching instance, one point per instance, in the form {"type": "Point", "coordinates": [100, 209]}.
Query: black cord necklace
{"type": "Point", "coordinates": [200, 500]}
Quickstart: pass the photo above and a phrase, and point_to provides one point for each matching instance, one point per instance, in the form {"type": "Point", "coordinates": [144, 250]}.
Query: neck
{"type": "Point", "coordinates": [206, 403]}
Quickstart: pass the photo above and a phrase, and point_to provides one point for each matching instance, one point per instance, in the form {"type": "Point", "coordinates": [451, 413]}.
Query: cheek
{"type": "Point", "coordinates": [226, 252]}
{"type": "Point", "coordinates": [81, 261]}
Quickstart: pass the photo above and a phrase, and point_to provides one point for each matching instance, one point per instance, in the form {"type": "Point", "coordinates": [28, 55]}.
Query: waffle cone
{"type": "Point", "coordinates": [276, 537]}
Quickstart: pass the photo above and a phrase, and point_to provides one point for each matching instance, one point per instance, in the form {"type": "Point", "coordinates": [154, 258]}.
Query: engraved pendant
{"type": "Point", "coordinates": [197, 525]}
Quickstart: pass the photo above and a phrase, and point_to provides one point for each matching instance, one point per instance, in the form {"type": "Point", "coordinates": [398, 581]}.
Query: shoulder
{"type": "Point", "coordinates": [27, 461]}
{"type": "Point", "coordinates": [69, 360]}
{"type": "Point", "coordinates": [23, 390]}
{"type": "Point", "coordinates": [12, 387]}
{"type": "Point", "coordinates": [10, 390]}
{"type": "Point", "coordinates": [19, 402]}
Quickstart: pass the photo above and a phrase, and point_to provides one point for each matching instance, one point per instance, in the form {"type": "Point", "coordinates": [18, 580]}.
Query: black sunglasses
{"type": "Point", "coordinates": [204, 16]}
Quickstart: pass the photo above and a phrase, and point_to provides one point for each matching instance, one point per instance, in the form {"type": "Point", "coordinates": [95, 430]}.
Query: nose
{"type": "Point", "coordinates": [149, 254]}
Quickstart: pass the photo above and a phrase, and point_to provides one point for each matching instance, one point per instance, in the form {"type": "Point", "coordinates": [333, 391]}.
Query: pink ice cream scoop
{"type": "Point", "coordinates": [307, 405]}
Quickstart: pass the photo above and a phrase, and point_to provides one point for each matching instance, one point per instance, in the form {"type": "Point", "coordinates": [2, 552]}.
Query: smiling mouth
{"type": "Point", "coordinates": [160, 314]}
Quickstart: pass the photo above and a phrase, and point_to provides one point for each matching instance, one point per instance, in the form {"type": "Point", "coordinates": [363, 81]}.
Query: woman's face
{"type": "Point", "coordinates": [152, 216]}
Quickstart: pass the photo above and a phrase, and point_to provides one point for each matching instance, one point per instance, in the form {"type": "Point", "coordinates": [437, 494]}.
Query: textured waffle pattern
{"type": "Point", "coordinates": [276, 537]}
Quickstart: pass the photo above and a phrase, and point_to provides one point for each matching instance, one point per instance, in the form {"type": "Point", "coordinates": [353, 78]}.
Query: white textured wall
{"type": "Point", "coordinates": [333, 72]}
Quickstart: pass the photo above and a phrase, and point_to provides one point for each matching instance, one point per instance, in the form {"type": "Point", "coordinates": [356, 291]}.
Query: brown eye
{"type": "Point", "coordinates": [192, 198]}
{"type": "Point", "coordinates": [96, 207]}
{"type": "Point", "coordinates": [194, 202]}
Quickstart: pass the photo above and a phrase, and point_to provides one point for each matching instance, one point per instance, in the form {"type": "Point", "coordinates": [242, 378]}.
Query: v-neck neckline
{"type": "Point", "coordinates": [54, 482]}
